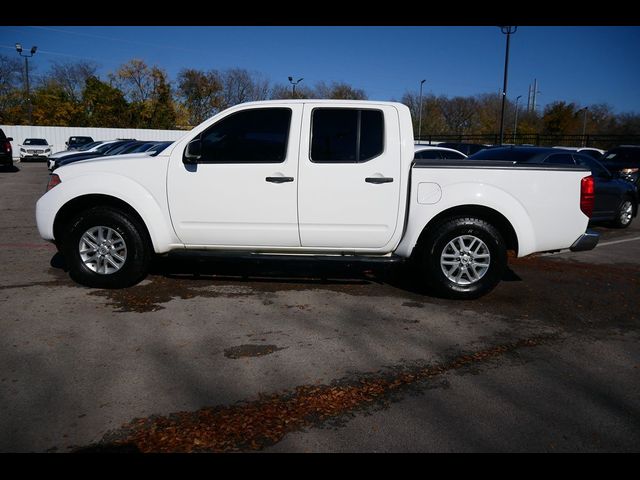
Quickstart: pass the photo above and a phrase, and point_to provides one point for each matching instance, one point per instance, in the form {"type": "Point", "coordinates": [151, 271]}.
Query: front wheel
{"type": "Point", "coordinates": [463, 258]}
{"type": "Point", "coordinates": [106, 248]}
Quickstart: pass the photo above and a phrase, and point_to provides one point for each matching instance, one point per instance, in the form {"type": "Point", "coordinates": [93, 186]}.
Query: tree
{"type": "Point", "coordinates": [432, 119]}
{"type": "Point", "coordinates": [459, 114]}
{"type": "Point", "coordinates": [560, 118]}
{"type": "Point", "coordinates": [339, 91]}
{"type": "Point", "coordinates": [52, 105]}
{"type": "Point", "coordinates": [240, 86]}
{"type": "Point", "coordinates": [200, 93]}
{"type": "Point", "coordinates": [282, 92]}
{"type": "Point", "coordinates": [104, 105]}
{"type": "Point", "coordinates": [11, 92]}
{"type": "Point", "coordinates": [72, 76]}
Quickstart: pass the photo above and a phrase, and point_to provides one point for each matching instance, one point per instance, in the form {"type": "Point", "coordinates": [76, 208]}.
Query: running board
{"type": "Point", "coordinates": [245, 255]}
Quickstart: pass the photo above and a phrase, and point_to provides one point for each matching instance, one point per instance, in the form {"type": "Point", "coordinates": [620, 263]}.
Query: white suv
{"type": "Point", "coordinates": [35, 148]}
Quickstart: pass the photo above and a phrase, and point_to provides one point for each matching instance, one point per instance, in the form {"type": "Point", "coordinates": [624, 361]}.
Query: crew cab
{"type": "Point", "coordinates": [320, 177]}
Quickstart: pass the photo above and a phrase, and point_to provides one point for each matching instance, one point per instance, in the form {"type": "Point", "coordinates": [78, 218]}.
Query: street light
{"type": "Point", "coordinates": [584, 126]}
{"type": "Point", "coordinates": [293, 84]}
{"type": "Point", "coordinates": [508, 31]}
{"type": "Point", "coordinates": [515, 124]}
{"type": "Point", "coordinates": [420, 116]}
{"type": "Point", "coordinates": [26, 67]}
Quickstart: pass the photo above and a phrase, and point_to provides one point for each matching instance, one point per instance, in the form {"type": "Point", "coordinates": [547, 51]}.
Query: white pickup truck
{"type": "Point", "coordinates": [321, 177]}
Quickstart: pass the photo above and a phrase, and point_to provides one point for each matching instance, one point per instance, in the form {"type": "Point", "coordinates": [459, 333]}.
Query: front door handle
{"type": "Point", "coordinates": [378, 179]}
{"type": "Point", "coordinates": [279, 179]}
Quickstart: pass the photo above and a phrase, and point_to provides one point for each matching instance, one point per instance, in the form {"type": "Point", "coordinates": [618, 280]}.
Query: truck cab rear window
{"type": "Point", "coordinates": [249, 136]}
{"type": "Point", "coordinates": [346, 135]}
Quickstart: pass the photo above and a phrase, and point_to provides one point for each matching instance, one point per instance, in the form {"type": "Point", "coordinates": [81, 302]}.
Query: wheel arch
{"type": "Point", "coordinates": [84, 202]}
{"type": "Point", "coordinates": [488, 214]}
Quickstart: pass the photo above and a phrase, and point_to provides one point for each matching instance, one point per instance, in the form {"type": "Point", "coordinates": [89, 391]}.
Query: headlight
{"type": "Point", "coordinates": [22, 150]}
{"type": "Point", "coordinates": [629, 171]}
{"type": "Point", "coordinates": [48, 150]}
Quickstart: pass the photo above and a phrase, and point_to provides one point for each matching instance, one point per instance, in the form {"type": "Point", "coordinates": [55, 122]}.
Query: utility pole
{"type": "Point", "coordinates": [293, 85]}
{"type": "Point", "coordinates": [515, 124]}
{"type": "Point", "coordinates": [420, 116]}
{"type": "Point", "coordinates": [584, 127]}
{"type": "Point", "coordinates": [508, 31]}
{"type": "Point", "coordinates": [26, 68]}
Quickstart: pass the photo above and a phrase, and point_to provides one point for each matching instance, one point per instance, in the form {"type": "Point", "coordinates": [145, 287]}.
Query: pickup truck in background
{"type": "Point", "coordinates": [321, 177]}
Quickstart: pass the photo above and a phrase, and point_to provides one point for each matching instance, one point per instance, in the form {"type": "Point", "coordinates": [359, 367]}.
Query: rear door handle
{"type": "Point", "coordinates": [279, 179]}
{"type": "Point", "coordinates": [378, 179]}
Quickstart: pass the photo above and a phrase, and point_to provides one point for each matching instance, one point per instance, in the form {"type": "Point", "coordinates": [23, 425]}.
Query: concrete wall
{"type": "Point", "coordinates": [56, 136]}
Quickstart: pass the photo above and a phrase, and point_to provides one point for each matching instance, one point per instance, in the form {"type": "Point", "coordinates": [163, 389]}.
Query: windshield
{"type": "Point", "coordinates": [89, 146]}
{"type": "Point", "coordinates": [35, 141]}
{"type": "Point", "coordinates": [622, 156]}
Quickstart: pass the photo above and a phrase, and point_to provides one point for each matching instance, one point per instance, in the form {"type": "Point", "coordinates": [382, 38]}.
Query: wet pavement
{"type": "Point", "coordinates": [299, 356]}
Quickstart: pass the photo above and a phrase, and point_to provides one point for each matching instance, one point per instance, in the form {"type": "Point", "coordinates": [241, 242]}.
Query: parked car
{"type": "Point", "coordinates": [321, 177]}
{"type": "Point", "coordinates": [76, 142]}
{"type": "Point", "coordinates": [35, 149]}
{"type": "Point", "coordinates": [591, 151]}
{"type": "Point", "coordinates": [6, 152]}
{"type": "Point", "coordinates": [616, 200]}
{"type": "Point", "coordinates": [433, 152]}
{"type": "Point", "coordinates": [87, 148]}
{"type": "Point", "coordinates": [108, 148]}
{"type": "Point", "coordinates": [624, 161]}
{"type": "Point", "coordinates": [466, 148]}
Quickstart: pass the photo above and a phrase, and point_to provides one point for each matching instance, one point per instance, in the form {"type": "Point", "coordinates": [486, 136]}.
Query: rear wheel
{"type": "Point", "coordinates": [624, 215]}
{"type": "Point", "coordinates": [463, 258]}
{"type": "Point", "coordinates": [106, 248]}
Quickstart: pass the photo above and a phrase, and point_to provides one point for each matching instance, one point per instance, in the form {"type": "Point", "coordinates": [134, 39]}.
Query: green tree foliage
{"type": "Point", "coordinates": [200, 93]}
{"type": "Point", "coordinates": [104, 105]}
{"type": "Point", "coordinates": [560, 118]}
{"type": "Point", "coordinates": [339, 91]}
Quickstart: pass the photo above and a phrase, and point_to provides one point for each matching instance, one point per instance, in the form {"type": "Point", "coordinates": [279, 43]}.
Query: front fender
{"type": "Point", "coordinates": [152, 210]}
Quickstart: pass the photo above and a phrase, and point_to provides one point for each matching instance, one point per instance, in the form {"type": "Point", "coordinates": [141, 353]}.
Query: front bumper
{"type": "Point", "coordinates": [587, 241]}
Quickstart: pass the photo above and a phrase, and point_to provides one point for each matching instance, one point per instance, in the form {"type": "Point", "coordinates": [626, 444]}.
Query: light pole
{"type": "Point", "coordinates": [515, 124]}
{"type": "Point", "coordinates": [293, 85]}
{"type": "Point", "coordinates": [584, 126]}
{"type": "Point", "coordinates": [420, 116]}
{"type": "Point", "coordinates": [26, 67]}
{"type": "Point", "coordinates": [508, 31]}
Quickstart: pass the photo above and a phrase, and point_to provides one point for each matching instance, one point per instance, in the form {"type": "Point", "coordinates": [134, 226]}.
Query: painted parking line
{"type": "Point", "coordinates": [613, 242]}
{"type": "Point", "coordinates": [603, 244]}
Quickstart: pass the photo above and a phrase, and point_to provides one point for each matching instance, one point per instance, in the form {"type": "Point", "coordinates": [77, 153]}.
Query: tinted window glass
{"type": "Point", "coordinates": [512, 154]}
{"type": "Point", "coordinates": [371, 134]}
{"type": "Point", "coordinates": [560, 159]}
{"type": "Point", "coordinates": [452, 155]}
{"type": "Point", "coordinates": [250, 136]}
{"type": "Point", "coordinates": [346, 135]}
{"type": "Point", "coordinates": [596, 168]}
{"type": "Point", "coordinates": [35, 141]}
{"type": "Point", "coordinates": [428, 155]}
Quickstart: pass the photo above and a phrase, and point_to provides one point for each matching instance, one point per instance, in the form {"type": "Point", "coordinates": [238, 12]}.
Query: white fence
{"type": "Point", "coordinates": [56, 136]}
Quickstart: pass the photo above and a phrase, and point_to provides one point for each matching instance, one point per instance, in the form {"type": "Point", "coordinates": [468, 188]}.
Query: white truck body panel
{"type": "Point", "coordinates": [327, 208]}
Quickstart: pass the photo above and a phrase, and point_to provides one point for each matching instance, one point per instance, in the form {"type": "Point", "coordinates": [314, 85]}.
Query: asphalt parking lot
{"type": "Point", "coordinates": [221, 355]}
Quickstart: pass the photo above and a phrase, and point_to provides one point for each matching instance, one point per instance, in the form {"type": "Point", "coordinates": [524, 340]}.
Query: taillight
{"type": "Point", "coordinates": [587, 195]}
{"type": "Point", "coordinates": [7, 146]}
{"type": "Point", "coordinates": [54, 180]}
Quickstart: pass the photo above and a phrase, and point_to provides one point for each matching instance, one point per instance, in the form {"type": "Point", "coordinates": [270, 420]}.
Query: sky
{"type": "Point", "coordinates": [585, 65]}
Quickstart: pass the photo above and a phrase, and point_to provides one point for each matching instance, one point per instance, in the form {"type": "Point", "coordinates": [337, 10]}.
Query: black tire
{"type": "Point", "coordinates": [138, 249]}
{"type": "Point", "coordinates": [437, 241]}
{"type": "Point", "coordinates": [622, 220]}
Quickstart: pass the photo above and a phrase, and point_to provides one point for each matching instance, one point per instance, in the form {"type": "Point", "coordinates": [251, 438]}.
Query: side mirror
{"type": "Point", "coordinates": [193, 152]}
{"type": "Point", "coordinates": [10, 139]}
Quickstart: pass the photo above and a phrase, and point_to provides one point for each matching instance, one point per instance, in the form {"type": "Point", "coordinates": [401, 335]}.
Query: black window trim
{"type": "Point", "coordinates": [359, 110]}
{"type": "Point", "coordinates": [286, 139]}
